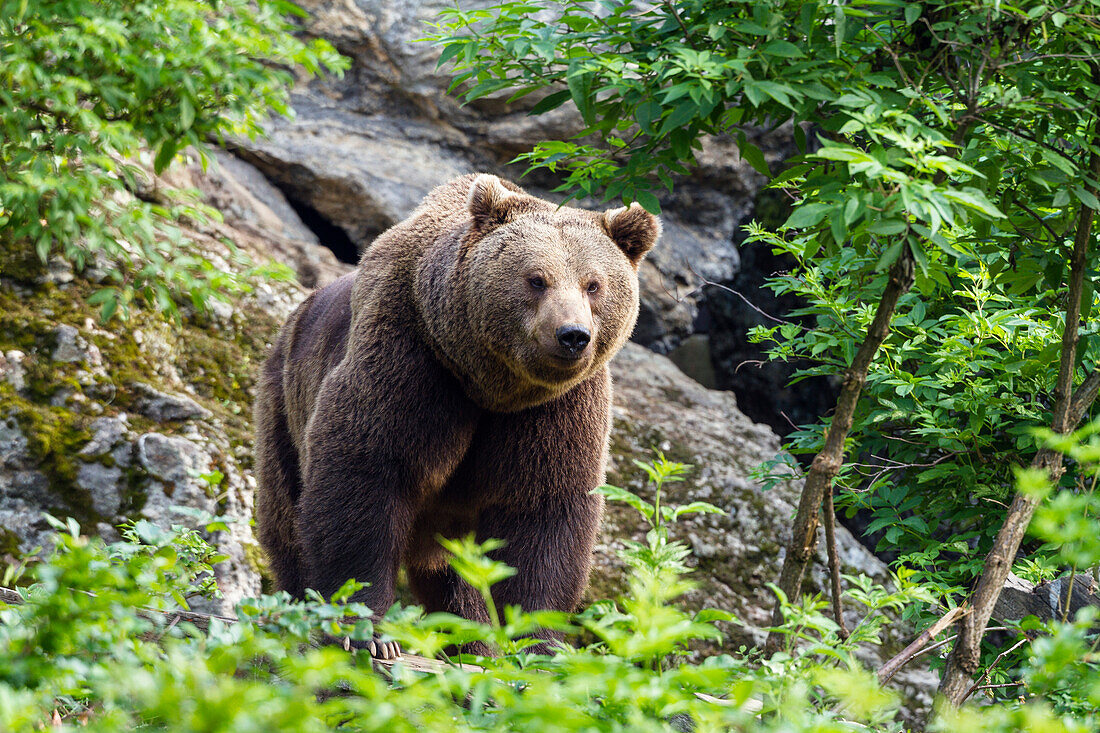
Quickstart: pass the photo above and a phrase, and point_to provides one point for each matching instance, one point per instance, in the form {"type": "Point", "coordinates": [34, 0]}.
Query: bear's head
{"type": "Point", "coordinates": [550, 292]}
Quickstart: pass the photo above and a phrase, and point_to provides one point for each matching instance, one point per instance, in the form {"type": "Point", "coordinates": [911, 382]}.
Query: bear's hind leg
{"type": "Point", "coordinates": [279, 480]}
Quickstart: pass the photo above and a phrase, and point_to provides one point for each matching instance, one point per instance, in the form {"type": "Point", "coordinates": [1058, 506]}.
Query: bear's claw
{"type": "Point", "coordinates": [384, 649]}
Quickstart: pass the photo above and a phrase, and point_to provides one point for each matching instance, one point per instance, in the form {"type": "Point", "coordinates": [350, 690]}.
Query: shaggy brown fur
{"type": "Point", "coordinates": [456, 382]}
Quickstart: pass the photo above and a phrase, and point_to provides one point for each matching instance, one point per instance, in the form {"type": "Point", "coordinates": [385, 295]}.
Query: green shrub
{"type": "Point", "coordinates": [102, 659]}
{"type": "Point", "coordinates": [88, 88]}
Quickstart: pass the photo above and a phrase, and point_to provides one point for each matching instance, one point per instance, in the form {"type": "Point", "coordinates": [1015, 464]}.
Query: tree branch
{"type": "Point", "coordinates": [985, 677]}
{"type": "Point", "coordinates": [834, 564]}
{"type": "Point", "coordinates": [916, 647]}
{"type": "Point", "coordinates": [826, 464]}
{"type": "Point", "coordinates": [1084, 397]}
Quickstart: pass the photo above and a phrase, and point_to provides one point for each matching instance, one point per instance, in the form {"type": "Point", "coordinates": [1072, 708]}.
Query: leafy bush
{"type": "Point", "coordinates": [87, 86]}
{"type": "Point", "coordinates": [109, 659]}
{"type": "Point", "coordinates": [946, 172]}
{"type": "Point", "coordinates": [949, 410]}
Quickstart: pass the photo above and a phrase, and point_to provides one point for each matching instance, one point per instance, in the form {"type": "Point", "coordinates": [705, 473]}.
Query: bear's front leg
{"type": "Point", "coordinates": [550, 546]}
{"type": "Point", "coordinates": [385, 434]}
{"type": "Point", "coordinates": [536, 469]}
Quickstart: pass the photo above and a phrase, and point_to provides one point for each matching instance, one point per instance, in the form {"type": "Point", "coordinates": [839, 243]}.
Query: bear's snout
{"type": "Point", "coordinates": [573, 338]}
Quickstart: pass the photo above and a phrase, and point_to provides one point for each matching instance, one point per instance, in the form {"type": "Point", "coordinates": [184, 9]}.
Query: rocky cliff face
{"type": "Point", "coordinates": [146, 419]}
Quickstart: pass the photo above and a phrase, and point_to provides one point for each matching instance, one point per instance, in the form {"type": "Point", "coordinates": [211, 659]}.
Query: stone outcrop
{"type": "Point", "coordinates": [657, 407]}
{"type": "Point", "coordinates": [146, 419]}
{"type": "Point", "coordinates": [735, 555]}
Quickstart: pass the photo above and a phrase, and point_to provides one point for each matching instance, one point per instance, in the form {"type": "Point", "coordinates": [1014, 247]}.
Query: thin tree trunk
{"type": "Point", "coordinates": [964, 658]}
{"type": "Point", "coordinates": [826, 464]}
{"type": "Point", "coordinates": [834, 565]}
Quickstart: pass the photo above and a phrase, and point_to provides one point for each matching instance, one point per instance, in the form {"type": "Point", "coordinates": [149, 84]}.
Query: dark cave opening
{"type": "Point", "coordinates": [328, 234]}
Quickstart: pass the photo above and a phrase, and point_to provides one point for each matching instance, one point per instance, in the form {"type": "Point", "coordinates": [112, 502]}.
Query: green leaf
{"type": "Point", "coordinates": [807, 215]}
{"type": "Point", "coordinates": [646, 114]}
{"type": "Point", "coordinates": [785, 49]}
{"type": "Point", "coordinates": [975, 199]}
{"type": "Point", "coordinates": [800, 138]}
{"type": "Point", "coordinates": [710, 615]}
{"type": "Point", "coordinates": [449, 52]}
{"type": "Point", "coordinates": [753, 156]}
{"type": "Point", "coordinates": [887, 227]}
{"type": "Point", "coordinates": [840, 27]}
{"type": "Point", "coordinates": [696, 507]}
{"type": "Point", "coordinates": [648, 201]}
{"type": "Point", "coordinates": [889, 255]}
{"type": "Point", "coordinates": [580, 89]}
{"type": "Point", "coordinates": [836, 225]}
{"type": "Point", "coordinates": [614, 493]}
{"type": "Point", "coordinates": [187, 114]}
{"type": "Point", "coordinates": [108, 310]}
{"type": "Point", "coordinates": [683, 112]}
{"type": "Point", "coordinates": [1086, 197]}
{"type": "Point", "coordinates": [551, 101]}
{"type": "Point", "coordinates": [166, 154]}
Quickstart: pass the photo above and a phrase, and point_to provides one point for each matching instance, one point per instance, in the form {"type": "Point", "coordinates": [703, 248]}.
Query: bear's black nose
{"type": "Point", "coordinates": [573, 337]}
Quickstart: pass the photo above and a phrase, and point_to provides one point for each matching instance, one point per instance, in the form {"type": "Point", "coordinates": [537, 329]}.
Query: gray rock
{"type": "Point", "coordinates": [123, 455]}
{"type": "Point", "coordinates": [390, 69]}
{"type": "Point", "coordinates": [174, 463]}
{"type": "Point", "coordinates": [13, 370]}
{"type": "Point", "coordinates": [667, 310]}
{"type": "Point", "coordinates": [107, 432]}
{"type": "Point", "coordinates": [251, 199]}
{"type": "Point", "coordinates": [28, 484]}
{"type": "Point", "coordinates": [162, 406]}
{"type": "Point", "coordinates": [172, 459]}
{"type": "Point", "coordinates": [690, 253]}
{"type": "Point", "coordinates": [362, 173]}
{"type": "Point", "coordinates": [103, 484]}
{"type": "Point", "coordinates": [656, 405]}
{"type": "Point", "coordinates": [13, 444]}
{"type": "Point", "coordinates": [24, 519]}
{"type": "Point", "coordinates": [59, 271]}
{"type": "Point", "coordinates": [253, 206]}
{"type": "Point", "coordinates": [24, 491]}
{"type": "Point", "coordinates": [70, 346]}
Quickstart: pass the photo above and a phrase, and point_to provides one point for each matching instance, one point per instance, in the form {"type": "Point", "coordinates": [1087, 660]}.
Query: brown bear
{"type": "Point", "coordinates": [456, 382]}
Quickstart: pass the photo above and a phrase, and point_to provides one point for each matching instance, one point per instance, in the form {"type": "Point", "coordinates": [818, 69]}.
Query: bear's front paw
{"type": "Point", "coordinates": [384, 649]}
{"type": "Point", "coordinates": [377, 648]}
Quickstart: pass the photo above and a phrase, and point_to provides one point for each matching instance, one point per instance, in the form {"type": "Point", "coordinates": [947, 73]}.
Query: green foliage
{"type": "Point", "coordinates": [88, 87]}
{"type": "Point", "coordinates": [962, 135]}
{"type": "Point", "coordinates": [950, 407]}
{"type": "Point", "coordinates": [105, 660]}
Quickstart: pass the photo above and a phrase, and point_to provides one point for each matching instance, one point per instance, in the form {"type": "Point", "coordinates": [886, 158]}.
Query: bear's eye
{"type": "Point", "coordinates": [593, 287]}
{"type": "Point", "coordinates": [536, 282]}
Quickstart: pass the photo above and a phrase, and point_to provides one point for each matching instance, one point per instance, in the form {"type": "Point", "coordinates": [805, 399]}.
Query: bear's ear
{"type": "Point", "coordinates": [634, 229]}
{"type": "Point", "coordinates": [490, 203]}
